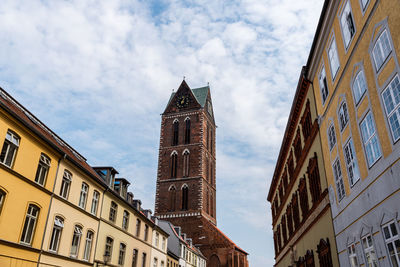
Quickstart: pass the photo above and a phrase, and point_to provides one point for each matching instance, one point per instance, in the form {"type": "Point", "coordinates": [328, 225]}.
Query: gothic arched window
{"type": "Point", "coordinates": [172, 198]}
{"type": "Point", "coordinates": [186, 154]}
{"type": "Point", "coordinates": [211, 205]}
{"type": "Point", "coordinates": [187, 131]}
{"type": "Point", "coordinates": [185, 195]}
{"type": "Point", "coordinates": [208, 202]}
{"type": "Point", "coordinates": [175, 133]}
{"type": "Point", "coordinates": [174, 164]}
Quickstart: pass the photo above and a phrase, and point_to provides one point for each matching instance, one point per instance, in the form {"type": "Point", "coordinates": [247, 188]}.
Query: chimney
{"type": "Point", "coordinates": [155, 220]}
{"type": "Point", "coordinates": [137, 203]}
{"type": "Point", "coordinates": [183, 235]}
{"type": "Point", "coordinates": [129, 198]}
{"type": "Point", "coordinates": [147, 213]}
{"type": "Point", "coordinates": [178, 230]}
{"type": "Point", "coordinates": [189, 240]}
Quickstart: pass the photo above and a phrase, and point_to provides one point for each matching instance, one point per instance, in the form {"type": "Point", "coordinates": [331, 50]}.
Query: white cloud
{"type": "Point", "coordinates": [99, 73]}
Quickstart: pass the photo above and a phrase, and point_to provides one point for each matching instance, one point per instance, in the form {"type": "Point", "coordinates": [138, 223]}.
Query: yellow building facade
{"type": "Point", "coordinates": [28, 166]}
{"type": "Point", "coordinates": [355, 73]}
{"type": "Point", "coordinates": [302, 222]}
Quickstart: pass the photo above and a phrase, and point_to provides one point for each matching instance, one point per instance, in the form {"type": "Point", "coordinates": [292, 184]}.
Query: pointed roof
{"type": "Point", "coordinates": [200, 93]}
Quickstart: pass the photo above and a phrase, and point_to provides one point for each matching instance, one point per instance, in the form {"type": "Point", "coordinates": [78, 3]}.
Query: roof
{"type": "Point", "coordinates": [19, 112]}
{"type": "Point", "coordinates": [228, 239]}
{"type": "Point", "coordinates": [200, 94]}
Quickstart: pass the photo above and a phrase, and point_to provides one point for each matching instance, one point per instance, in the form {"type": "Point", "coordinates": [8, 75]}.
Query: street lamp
{"type": "Point", "coordinates": [106, 258]}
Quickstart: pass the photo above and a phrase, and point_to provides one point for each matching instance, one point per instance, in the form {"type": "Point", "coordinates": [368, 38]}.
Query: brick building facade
{"type": "Point", "coordinates": [186, 184]}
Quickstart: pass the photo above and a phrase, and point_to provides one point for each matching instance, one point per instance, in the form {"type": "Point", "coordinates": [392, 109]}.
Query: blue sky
{"type": "Point", "coordinates": [99, 73]}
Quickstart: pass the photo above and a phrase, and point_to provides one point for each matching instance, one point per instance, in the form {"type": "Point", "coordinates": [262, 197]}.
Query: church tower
{"type": "Point", "coordinates": [186, 184]}
{"type": "Point", "coordinates": [186, 169]}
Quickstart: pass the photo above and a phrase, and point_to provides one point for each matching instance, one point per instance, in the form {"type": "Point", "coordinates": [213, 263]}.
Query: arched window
{"type": "Point", "coordinates": [83, 196]}
{"type": "Point", "coordinates": [172, 198]}
{"type": "Point", "coordinates": [30, 224]}
{"type": "Point", "coordinates": [2, 198]}
{"type": "Point", "coordinates": [174, 164]}
{"type": "Point", "coordinates": [56, 234]}
{"type": "Point", "coordinates": [187, 131]}
{"type": "Point", "coordinates": [207, 202]}
{"type": "Point", "coordinates": [65, 184]}
{"type": "Point", "coordinates": [185, 193]}
{"type": "Point", "coordinates": [186, 154]}
{"type": "Point", "coordinates": [211, 205]}
{"type": "Point", "coordinates": [175, 133]}
{"type": "Point", "coordinates": [76, 240]}
{"type": "Point", "coordinates": [88, 245]}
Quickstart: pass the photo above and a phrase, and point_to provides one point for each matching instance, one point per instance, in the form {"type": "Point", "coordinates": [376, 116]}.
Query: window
{"type": "Point", "coordinates": [174, 164]}
{"type": "Point", "coordinates": [9, 150]}
{"type": "Point", "coordinates": [295, 207]}
{"type": "Point", "coordinates": [88, 245]}
{"type": "Point", "coordinates": [113, 211]}
{"type": "Point", "coordinates": [352, 255]}
{"type": "Point", "coordinates": [364, 4]}
{"type": "Point", "coordinates": [162, 264]}
{"type": "Point", "coordinates": [323, 85]}
{"type": "Point", "coordinates": [297, 146]}
{"type": "Point", "coordinates": [2, 198]}
{"type": "Point", "coordinates": [144, 260]}
{"type": "Point", "coordinates": [56, 234]}
{"type": "Point", "coordinates": [121, 257]}
{"type": "Point", "coordinates": [42, 170]}
{"type": "Point", "coordinates": [289, 219]}
{"type": "Point", "coordinates": [185, 193]}
{"type": "Point", "coordinates": [284, 233]}
{"type": "Point", "coordinates": [109, 245]}
{"type": "Point", "coordinates": [95, 202]}
{"type": "Point", "coordinates": [29, 224]}
{"type": "Point", "coordinates": [134, 258]}
{"type": "Point", "coordinates": [314, 178]}
{"type": "Point", "coordinates": [187, 131]}
{"type": "Point", "coordinates": [303, 197]}
{"type": "Point", "coordinates": [392, 242]}
{"type": "Point", "coordinates": [65, 184]}
{"type": "Point", "coordinates": [155, 262]}
{"type": "Point", "coordinates": [146, 232]}
{"type": "Point", "coordinates": [359, 87]}
{"type": "Point", "coordinates": [333, 59]}
{"type": "Point", "coordinates": [337, 173]}
{"type": "Point", "coordinates": [369, 251]}
{"type": "Point", "coordinates": [343, 116]}
{"type": "Point", "coordinates": [83, 196]}
{"type": "Point", "coordinates": [138, 227]}
{"type": "Point", "coordinates": [351, 162]}
{"type": "Point", "coordinates": [331, 136]}
{"type": "Point", "coordinates": [324, 253]}
{"type": "Point", "coordinates": [347, 23]}
{"type": "Point", "coordinates": [175, 133]}
{"type": "Point", "coordinates": [381, 50]}
{"type": "Point", "coordinates": [172, 198]}
{"type": "Point", "coordinates": [163, 243]}
{"type": "Point", "coordinates": [76, 240]}
{"type": "Point", "coordinates": [391, 98]}
{"type": "Point", "coordinates": [125, 220]}
{"type": "Point", "coordinates": [157, 238]}
{"type": "Point", "coordinates": [370, 139]}
{"type": "Point", "coordinates": [186, 163]}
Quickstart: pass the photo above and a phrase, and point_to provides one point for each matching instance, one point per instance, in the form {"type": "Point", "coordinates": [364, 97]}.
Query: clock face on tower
{"type": "Point", "coordinates": [182, 101]}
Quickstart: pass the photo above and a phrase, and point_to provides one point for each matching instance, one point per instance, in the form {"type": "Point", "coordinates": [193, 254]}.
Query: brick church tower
{"type": "Point", "coordinates": [186, 186]}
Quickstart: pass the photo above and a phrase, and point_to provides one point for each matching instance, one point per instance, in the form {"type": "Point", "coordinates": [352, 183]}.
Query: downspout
{"type": "Point", "coordinates": [98, 227]}
{"type": "Point", "coordinates": [51, 201]}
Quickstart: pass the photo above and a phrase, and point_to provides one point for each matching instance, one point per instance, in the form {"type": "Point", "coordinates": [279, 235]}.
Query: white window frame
{"type": "Point", "coordinates": [380, 49]}
{"type": "Point", "coordinates": [364, 5]}
{"type": "Point", "coordinates": [333, 58]}
{"type": "Point", "coordinates": [391, 240]}
{"type": "Point", "coordinates": [155, 262]}
{"type": "Point", "coordinates": [95, 202]}
{"type": "Point", "coordinates": [88, 245]}
{"type": "Point", "coordinates": [331, 136]}
{"type": "Point", "coordinates": [392, 109]}
{"type": "Point", "coordinates": [323, 84]}
{"type": "Point", "coordinates": [56, 234]}
{"type": "Point", "coordinates": [83, 195]}
{"type": "Point", "coordinates": [371, 259]}
{"type": "Point", "coordinates": [121, 254]}
{"type": "Point", "coordinates": [65, 184]}
{"type": "Point", "coordinates": [29, 226]}
{"type": "Point", "coordinates": [338, 175]}
{"type": "Point", "coordinates": [351, 250]}
{"type": "Point", "coordinates": [371, 142]}
{"type": "Point", "coordinates": [359, 87]}
{"type": "Point", "coordinates": [42, 170]}
{"type": "Point", "coordinates": [76, 241]}
{"type": "Point", "coordinates": [351, 162]}
{"type": "Point", "coordinates": [10, 145]}
{"type": "Point", "coordinates": [345, 24]}
{"type": "Point", "coordinates": [343, 116]}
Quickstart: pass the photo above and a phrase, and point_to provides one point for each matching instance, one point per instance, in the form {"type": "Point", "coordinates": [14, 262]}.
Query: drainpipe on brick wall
{"type": "Point", "coordinates": [51, 201]}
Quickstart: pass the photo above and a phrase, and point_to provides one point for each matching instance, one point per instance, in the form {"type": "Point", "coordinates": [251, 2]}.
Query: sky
{"type": "Point", "coordinates": [99, 73]}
